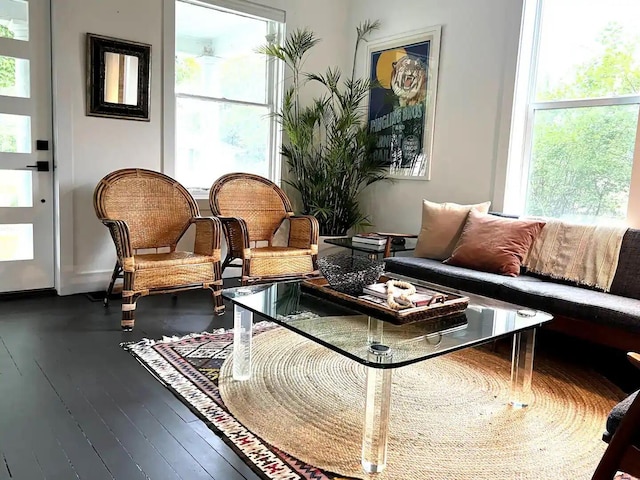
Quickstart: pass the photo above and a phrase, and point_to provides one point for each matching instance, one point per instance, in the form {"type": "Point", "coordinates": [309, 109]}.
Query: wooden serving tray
{"type": "Point", "coordinates": [453, 304]}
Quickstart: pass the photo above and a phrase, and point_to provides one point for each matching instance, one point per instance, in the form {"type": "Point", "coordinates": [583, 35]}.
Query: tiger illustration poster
{"type": "Point", "coordinates": [400, 104]}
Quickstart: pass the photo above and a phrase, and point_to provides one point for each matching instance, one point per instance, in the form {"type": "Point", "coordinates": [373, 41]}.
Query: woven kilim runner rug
{"type": "Point", "coordinates": [288, 369]}
{"type": "Point", "coordinates": [190, 367]}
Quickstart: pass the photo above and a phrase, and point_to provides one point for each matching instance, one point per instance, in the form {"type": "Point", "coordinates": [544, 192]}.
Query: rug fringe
{"type": "Point", "coordinates": [149, 342]}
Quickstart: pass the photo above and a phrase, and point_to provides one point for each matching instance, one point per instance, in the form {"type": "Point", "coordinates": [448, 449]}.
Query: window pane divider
{"type": "Point", "coordinates": [11, 47]}
{"type": "Point", "coordinates": [587, 102]}
{"type": "Point", "coordinates": [221, 100]}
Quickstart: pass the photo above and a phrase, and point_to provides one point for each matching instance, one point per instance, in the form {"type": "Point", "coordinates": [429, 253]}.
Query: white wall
{"type": "Point", "coordinates": [475, 89]}
{"type": "Point", "coordinates": [478, 55]}
{"type": "Point", "coordinates": [87, 148]}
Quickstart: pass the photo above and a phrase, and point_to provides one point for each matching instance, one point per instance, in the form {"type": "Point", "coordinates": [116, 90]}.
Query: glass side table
{"type": "Point", "coordinates": [374, 251]}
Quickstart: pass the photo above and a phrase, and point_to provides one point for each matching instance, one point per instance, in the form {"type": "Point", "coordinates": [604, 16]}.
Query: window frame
{"type": "Point", "coordinates": [275, 90]}
{"type": "Point", "coordinates": [525, 108]}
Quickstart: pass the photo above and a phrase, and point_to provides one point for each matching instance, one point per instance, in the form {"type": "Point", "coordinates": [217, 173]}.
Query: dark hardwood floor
{"type": "Point", "coordinates": [75, 405]}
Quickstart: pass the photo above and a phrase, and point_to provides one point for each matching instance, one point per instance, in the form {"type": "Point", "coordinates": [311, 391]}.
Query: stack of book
{"type": "Point", "coordinates": [370, 239]}
{"type": "Point", "coordinates": [377, 293]}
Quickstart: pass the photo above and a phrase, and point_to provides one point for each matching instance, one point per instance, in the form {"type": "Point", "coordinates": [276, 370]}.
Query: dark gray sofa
{"type": "Point", "coordinates": [611, 319]}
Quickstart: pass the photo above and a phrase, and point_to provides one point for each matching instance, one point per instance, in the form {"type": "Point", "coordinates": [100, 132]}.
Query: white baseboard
{"type": "Point", "coordinates": [85, 282]}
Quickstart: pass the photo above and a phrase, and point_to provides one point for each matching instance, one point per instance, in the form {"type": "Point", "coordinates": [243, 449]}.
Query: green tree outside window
{"type": "Point", "coordinates": [582, 157]}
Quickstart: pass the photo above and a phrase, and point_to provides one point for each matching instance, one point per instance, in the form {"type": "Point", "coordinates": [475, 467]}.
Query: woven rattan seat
{"type": "Point", "coordinates": [149, 210]}
{"type": "Point", "coordinates": [251, 209]}
{"type": "Point", "coordinates": [280, 252]}
{"type": "Point", "coordinates": [155, 260]}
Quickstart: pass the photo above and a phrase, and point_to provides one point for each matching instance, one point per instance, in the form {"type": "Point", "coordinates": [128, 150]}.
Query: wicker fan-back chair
{"type": "Point", "coordinates": [623, 436]}
{"type": "Point", "coordinates": [251, 208]}
{"type": "Point", "coordinates": [146, 210]}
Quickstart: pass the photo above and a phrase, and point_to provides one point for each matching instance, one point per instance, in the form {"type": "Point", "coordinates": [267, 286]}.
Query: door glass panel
{"type": "Point", "coordinates": [14, 77]}
{"type": "Point", "coordinates": [16, 242]}
{"type": "Point", "coordinates": [15, 133]}
{"type": "Point", "coordinates": [14, 19]}
{"type": "Point", "coordinates": [16, 188]}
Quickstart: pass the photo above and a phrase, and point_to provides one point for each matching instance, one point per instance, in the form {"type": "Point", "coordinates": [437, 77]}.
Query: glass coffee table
{"type": "Point", "coordinates": [382, 346]}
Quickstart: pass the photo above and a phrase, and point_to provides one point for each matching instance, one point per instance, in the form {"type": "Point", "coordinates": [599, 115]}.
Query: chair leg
{"type": "Point", "coordinates": [129, 298]}
{"type": "Point", "coordinates": [116, 273]}
{"type": "Point", "coordinates": [128, 312]}
{"type": "Point", "coordinates": [218, 301]}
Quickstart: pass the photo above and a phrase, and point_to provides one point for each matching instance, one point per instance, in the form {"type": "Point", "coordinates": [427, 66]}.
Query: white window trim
{"type": "Point", "coordinates": [275, 75]}
{"type": "Point", "coordinates": [169, 88]}
{"type": "Point", "coordinates": [525, 78]}
{"type": "Point", "coordinates": [524, 111]}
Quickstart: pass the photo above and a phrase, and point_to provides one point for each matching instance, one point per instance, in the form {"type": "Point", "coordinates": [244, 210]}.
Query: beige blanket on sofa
{"type": "Point", "coordinates": [586, 254]}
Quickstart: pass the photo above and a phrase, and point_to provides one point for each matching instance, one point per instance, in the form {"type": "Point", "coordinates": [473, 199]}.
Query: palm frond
{"type": "Point", "coordinates": [365, 28]}
{"type": "Point", "coordinates": [329, 150]}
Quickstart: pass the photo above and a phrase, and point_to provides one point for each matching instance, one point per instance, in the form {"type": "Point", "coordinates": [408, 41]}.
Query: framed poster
{"type": "Point", "coordinates": [402, 101]}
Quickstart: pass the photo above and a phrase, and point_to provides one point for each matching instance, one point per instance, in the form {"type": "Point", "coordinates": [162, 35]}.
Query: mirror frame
{"type": "Point", "coordinates": [97, 46]}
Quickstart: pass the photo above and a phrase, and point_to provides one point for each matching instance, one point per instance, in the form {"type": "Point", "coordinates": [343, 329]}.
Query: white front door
{"type": "Point", "coordinates": [26, 161]}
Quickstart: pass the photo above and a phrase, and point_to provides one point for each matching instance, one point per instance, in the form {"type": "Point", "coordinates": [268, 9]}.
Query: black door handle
{"type": "Point", "coordinates": [40, 166]}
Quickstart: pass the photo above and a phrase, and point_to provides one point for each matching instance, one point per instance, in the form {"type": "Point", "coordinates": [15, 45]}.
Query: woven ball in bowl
{"type": "Point", "coordinates": [349, 274]}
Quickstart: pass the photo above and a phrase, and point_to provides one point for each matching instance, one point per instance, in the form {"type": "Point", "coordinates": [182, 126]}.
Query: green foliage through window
{"type": "Point", "coordinates": [582, 157]}
{"type": "Point", "coordinates": [7, 64]}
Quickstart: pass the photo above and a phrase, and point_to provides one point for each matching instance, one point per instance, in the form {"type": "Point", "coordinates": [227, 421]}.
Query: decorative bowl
{"type": "Point", "coordinates": [349, 274]}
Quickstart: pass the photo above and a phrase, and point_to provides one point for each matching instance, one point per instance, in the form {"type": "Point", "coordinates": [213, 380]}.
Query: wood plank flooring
{"type": "Point", "coordinates": [73, 404]}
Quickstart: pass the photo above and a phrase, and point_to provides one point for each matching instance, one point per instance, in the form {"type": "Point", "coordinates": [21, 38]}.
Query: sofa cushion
{"type": "Point", "coordinates": [482, 283]}
{"type": "Point", "coordinates": [494, 244]}
{"type": "Point", "coordinates": [626, 281]}
{"type": "Point", "coordinates": [442, 225]}
{"type": "Point", "coordinates": [571, 301]}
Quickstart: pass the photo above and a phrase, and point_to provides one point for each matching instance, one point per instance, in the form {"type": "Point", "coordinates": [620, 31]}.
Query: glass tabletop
{"type": "Point", "coordinates": [347, 242]}
{"type": "Point", "coordinates": [351, 333]}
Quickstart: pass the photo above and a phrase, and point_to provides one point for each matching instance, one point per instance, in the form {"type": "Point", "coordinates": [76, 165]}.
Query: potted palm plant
{"type": "Point", "coordinates": [328, 148]}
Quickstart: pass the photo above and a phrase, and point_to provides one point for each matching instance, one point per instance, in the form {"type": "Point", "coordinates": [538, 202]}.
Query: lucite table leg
{"type": "Point", "coordinates": [242, 333]}
{"type": "Point", "coordinates": [376, 417]}
{"type": "Point", "coordinates": [375, 330]}
{"type": "Point", "coordinates": [522, 367]}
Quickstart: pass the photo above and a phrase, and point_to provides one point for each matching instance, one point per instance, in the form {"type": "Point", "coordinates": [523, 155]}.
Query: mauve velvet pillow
{"type": "Point", "coordinates": [494, 244]}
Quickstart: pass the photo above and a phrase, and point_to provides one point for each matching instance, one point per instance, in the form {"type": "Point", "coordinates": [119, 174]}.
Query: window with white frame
{"type": "Point", "coordinates": [225, 95]}
{"type": "Point", "coordinates": [576, 110]}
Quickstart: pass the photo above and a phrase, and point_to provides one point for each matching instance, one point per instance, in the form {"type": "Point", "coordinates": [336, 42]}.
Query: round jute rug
{"type": "Point", "coordinates": [449, 415]}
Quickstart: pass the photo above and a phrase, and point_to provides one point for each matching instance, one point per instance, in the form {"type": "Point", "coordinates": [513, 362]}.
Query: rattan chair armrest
{"type": "Point", "coordinates": [237, 235]}
{"type": "Point", "coordinates": [119, 231]}
{"type": "Point", "coordinates": [208, 232]}
{"type": "Point", "coordinates": [634, 358]}
{"type": "Point", "coordinates": [303, 231]}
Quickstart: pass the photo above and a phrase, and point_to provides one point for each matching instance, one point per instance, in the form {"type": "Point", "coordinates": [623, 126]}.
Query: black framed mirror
{"type": "Point", "coordinates": [118, 78]}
